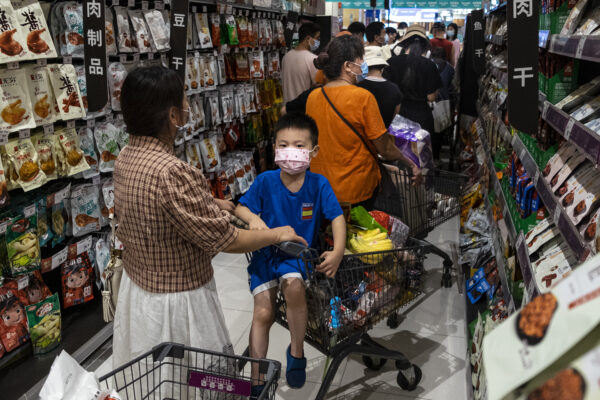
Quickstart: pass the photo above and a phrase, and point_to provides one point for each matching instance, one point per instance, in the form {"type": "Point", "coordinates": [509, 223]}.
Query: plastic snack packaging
{"type": "Point", "coordinates": [66, 91]}
{"type": "Point", "coordinates": [125, 41]}
{"type": "Point", "coordinates": [274, 68]}
{"type": "Point", "coordinates": [41, 95]}
{"type": "Point", "coordinates": [13, 321]}
{"type": "Point", "coordinates": [82, 84]}
{"type": "Point", "coordinates": [139, 27]}
{"type": "Point", "coordinates": [12, 42]}
{"type": "Point", "coordinates": [44, 146]}
{"type": "Point", "coordinates": [123, 137]}
{"type": "Point", "coordinates": [213, 107]}
{"type": "Point", "coordinates": [56, 203]}
{"type": "Point", "coordinates": [192, 76]}
{"type": "Point", "coordinates": [35, 30]}
{"type": "Point", "coordinates": [215, 20]}
{"type": "Point", "coordinates": [203, 31]}
{"type": "Point", "coordinates": [574, 17]}
{"type": "Point", "coordinates": [22, 244]}
{"type": "Point", "coordinates": [414, 142]}
{"type": "Point", "coordinates": [74, 156]}
{"type": "Point", "coordinates": [242, 29]}
{"type": "Point", "coordinates": [26, 162]}
{"type": "Point", "coordinates": [108, 194]}
{"type": "Point", "coordinates": [58, 27]}
{"type": "Point", "coordinates": [210, 73]}
{"type": "Point", "coordinates": [44, 324]}
{"type": "Point", "coordinates": [210, 153]}
{"type": "Point", "coordinates": [109, 36]}
{"type": "Point", "coordinates": [158, 29]}
{"type": "Point", "coordinates": [15, 104]}
{"type": "Point", "coordinates": [232, 33]}
{"type": "Point", "coordinates": [107, 135]}
{"type": "Point", "coordinates": [194, 154]}
{"type": "Point", "coordinates": [44, 231]}
{"type": "Point", "coordinates": [116, 76]}
{"type": "Point", "coordinates": [4, 198]}
{"type": "Point", "coordinates": [29, 288]}
{"type": "Point", "coordinates": [85, 209]}
{"type": "Point", "coordinates": [257, 67]}
{"type": "Point", "coordinates": [77, 279]}
{"type": "Point", "coordinates": [73, 15]}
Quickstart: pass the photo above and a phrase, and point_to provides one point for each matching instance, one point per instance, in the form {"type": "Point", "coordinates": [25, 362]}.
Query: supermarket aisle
{"type": "Point", "coordinates": [432, 336]}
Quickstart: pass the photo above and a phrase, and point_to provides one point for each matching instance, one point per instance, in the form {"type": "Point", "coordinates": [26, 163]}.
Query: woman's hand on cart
{"type": "Point", "coordinates": [226, 205]}
{"type": "Point", "coordinates": [330, 262]}
{"type": "Point", "coordinates": [288, 234]}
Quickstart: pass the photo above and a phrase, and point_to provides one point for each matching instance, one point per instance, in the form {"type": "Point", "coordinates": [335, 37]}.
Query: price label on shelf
{"type": "Point", "coordinates": [67, 60]}
{"type": "Point", "coordinates": [48, 129]}
{"type": "Point", "coordinates": [159, 5]}
{"type": "Point", "coordinates": [136, 57]}
{"type": "Point", "coordinates": [144, 5]}
{"type": "Point", "coordinates": [557, 213]}
{"type": "Point", "coordinates": [12, 65]}
{"type": "Point", "coordinates": [545, 109]}
{"type": "Point", "coordinates": [580, 46]}
{"type": "Point", "coordinates": [123, 58]}
{"type": "Point", "coordinates": [71, 124]}
{"type": "Point", "coordinates": [130, 3]}
{"type": "Point", "coordinates": [42, 62]}
{"type": "Point", "coordinates": [29, 211]}
{"type": "Point", "coordinates": [23, 282]}
{"type": "Point", "coordinates": [569, 128]}
{"type": "Point", "coordinates": [4, 137]}
{"type": "Point", "coordinates": [60, 258]}
{"type": "Point", "coordinates": [150, 56]}
{"type": "Point", "coordinates": [84, 245]}
{"type": "Point", "coordinates": [91, 123]}
{"type": "Point", "coordinates": [96, 180]}
{"type": "Point", "coordinates": [24, 134]}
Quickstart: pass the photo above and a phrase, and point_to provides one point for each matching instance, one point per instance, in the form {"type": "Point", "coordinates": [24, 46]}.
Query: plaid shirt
{"type": "Point", "coordinates": [169, 223]}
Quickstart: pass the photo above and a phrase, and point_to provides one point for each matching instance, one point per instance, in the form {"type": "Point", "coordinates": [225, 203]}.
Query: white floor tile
{"type": "Point", "coordinates": [233, 289]}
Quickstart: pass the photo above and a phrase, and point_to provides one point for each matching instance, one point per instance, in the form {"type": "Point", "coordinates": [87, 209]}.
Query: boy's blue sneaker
{"type": "Point", "coordinates": [256, 391]}
{"type": "Point", "coordinates": [295, 373]}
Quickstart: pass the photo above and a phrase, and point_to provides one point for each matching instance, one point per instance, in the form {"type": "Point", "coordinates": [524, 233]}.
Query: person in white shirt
{"type": "Point", "coordinates": [297, 68]}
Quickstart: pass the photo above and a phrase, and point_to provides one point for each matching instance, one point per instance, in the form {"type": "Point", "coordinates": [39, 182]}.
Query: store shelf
{"type": "Point", "coordinates": [495, 39]}
{"type": "Point", "coordinates": [587, 140]}
{"type": "Point", "coordinates": [581, 47]}
{"type": "Point", "coordinates": [526, 268]}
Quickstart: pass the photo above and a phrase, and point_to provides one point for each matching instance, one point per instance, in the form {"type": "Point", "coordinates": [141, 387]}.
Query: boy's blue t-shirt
{"type": "Point", "coordinates": [303, 210]}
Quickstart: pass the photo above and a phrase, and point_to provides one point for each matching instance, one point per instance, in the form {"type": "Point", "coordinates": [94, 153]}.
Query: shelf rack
{"type": "Point", "coordinates": [575, 46]}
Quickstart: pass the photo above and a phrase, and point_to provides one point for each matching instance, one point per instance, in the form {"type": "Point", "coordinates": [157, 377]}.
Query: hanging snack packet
{"type": "Point", "coordinates": [222, 74]}
{"type": "Point", "coordinates": [274, 68]}
{"type": "Point", "coordinates": [213, 106]}
{"type": "Point", "coordinates": [73, 14]}
{"type": "Point", "coordinates": [35, 30]}
{"type": "Point", "coordinates": [25, 159]}
{"type": "Point", "coordinates": [210, 153]}
{"type": "Point", "coordinates": [232, 33]}
{"type": "Point", "coordinates": [13, 321]}
{"type": "Point", "coordinates": [15, 103]}
{"type": "Point", "coordinates": [85, 209]}
{"type": "Point", "coordinates": [106, 135]}
{"type": "Point", "coordinates": [58, 214]}
{"type": "Point", "coordinates": [41, 95]}
{"type": "Point", "coordinates": [215, 20]}
{"type": "Point", "coordinates": [86, 142]}
{"type": "Point", "coordinates": [30, 288]}
{"type": "Point", "coordinates": [125, 41]}
{"type": "Point", "coordinates": [109, 33]}
{"type": "Point", "coordinates": [108, 194]}
{"type": "Point", "coordinates": [242, 30]}
{"type": "Point", "coordinates": [142, 36]}
{"type": "Point", "coordinates": [11, 40]}
{"type": "Point", "coordinates": [82, 84]}
{"type": "Point", "coordinates": [4, 199]}
{"type": "Point", "coordinates": [193, 154]}
{"type": "Point", "coordinates": [192, 81]}
{"type": "Point", "coordinates": [242, 68]}
{"type": "Point", "coordinates": [210, 73]}
{"type": "Point", "coordinates": [44, 145]}
{"type": "Point", "coordinates": [158, 29]}
{"type": "Point", "coordinates": [227, 104]}
{"type": "Point", "coordinates": [123, 138]}
{"type": "Point", "coordinates": [116, 76]}
{"type": "Point", "coordinates": [44, 323]}
{"type": "Point", "coordinates": [69, 141]}
{"type": "Point", "coordinates": [22, 244]}
{"type": "Point", "coordinates": [77, 279]}
{"type": "Point", "coordinates": [198, 107]}
{"type": "Point", "coordinates": [66, 91]}
{"type": "Point", "coordinates": [102, 253]}
{"type": "Point", "coordinates": [257, 65]}
{"type": "Point", "coordinates": [203, 31]}
{"type": "Point", "coordinates": [43, 228]}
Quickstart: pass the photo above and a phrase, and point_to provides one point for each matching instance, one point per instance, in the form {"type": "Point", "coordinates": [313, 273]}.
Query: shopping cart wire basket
{"type": "Point", "coordinates": [175, 372]}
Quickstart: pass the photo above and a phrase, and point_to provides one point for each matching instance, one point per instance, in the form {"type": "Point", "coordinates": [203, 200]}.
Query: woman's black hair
{"type": "Point", "coordinates": [357, 28]}
{"type": "Point", "coordinates": [390, 30]}
{"type": "Point", "coordinates": [298, 121]}
{"type": "Point", "coordinates": [374, 29]}
{"type": "Point", "coordinates": [455, 27]}
{"type": "Point", "coordinates": [147, 96]}
{"type": "Point", "coordinates": [417, 47]}
{"type": "Point", "coordinates": [339, 50]}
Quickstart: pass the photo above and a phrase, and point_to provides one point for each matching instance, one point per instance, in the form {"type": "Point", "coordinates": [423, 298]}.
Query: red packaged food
{"type": "Point", "coordinates": [215, 21]}
{"type": "Point", "coordinates": [382, 219]}
{"type": "Point", "coordinates": [77, 280]}
{"type": "Point", "coordinates": [30, 288]}
{"type": "Point", "coordinates": [13, 322]}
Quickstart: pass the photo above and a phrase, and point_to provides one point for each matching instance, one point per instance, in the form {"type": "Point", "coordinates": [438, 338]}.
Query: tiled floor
{"type": "Point", "coordinates": [431, 336]}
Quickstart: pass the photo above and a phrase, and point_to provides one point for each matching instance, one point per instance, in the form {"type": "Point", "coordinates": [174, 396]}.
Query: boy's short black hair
{"type": "Point", "coordinates": [298, 121]}
{"type": "Point", "coordinates": [357, 28]}
{"type": "Point", "coordinates": [307, 29]}
{"type": "Point", "coordinates": [374, 29]}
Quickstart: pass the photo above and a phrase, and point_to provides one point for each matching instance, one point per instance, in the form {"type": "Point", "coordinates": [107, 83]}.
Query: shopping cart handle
{"type": "Point", "coordinates": [295, 249]}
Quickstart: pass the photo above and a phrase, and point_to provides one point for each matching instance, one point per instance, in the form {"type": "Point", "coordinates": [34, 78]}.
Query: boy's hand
{"type": "Point", "coordinates": [257, 224]}
{"type": "Point", "coordinates": [226, 205]}
{"type": "Point", "coordinates": [331, 263]}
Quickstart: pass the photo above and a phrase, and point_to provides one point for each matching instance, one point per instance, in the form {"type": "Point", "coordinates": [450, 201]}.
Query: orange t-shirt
{"type": "Point", "coordinates": [343, 158]}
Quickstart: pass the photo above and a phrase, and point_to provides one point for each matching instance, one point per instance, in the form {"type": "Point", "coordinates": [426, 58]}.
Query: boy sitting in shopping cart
{"type": "Point", "coordinates": [299, 198]}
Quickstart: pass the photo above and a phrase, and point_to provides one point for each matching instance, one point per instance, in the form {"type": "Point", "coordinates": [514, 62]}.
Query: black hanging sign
{"type": "Point", "coordinates": [522, 48]}
{"type": "Point", "coordinates": [290, 27]}
{"type": "Point", "coordinates": [94, 48]}
{"type": "Point", "coordinates": [478, 28]}
{"type": "Point", "coordinates": [179, 18]}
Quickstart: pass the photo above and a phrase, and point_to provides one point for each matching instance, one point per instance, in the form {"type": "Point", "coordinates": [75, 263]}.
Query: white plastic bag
{"type": "Point", "coordinates": [442, 118]}
{"type": "Point", "coordinates": [68, 380]}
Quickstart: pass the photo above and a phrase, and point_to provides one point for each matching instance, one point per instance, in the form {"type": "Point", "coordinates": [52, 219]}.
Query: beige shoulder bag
{"type": "Point", "coordinates": [113, 273]}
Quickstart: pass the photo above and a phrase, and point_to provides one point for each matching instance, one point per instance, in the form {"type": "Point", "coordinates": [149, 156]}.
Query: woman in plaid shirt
{"type": "Point", "coordinates": [171, 228]}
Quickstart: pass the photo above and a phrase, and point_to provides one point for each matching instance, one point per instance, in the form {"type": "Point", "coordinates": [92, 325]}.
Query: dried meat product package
{"type": "Point", "coordinates": [44, 145]}
{"type": "Point", "coordinates": [66, 91]}
{"type": "Point", "coordinates": [242, 29]}
{"type": "Point", "coordinates": [22, 243]}
{"type": "Point", "coordinates": [77, 280]}
{"type": "Point", "coordinates": [158, 29]}
{"type": "Point", "coordinates": [125, 41]}
{"type": "Point", "coordinates": [74, 156]}
{"type": "Point", "coordinates": [107, 135]}
{"type": "Point", "coordinates": [12, 42]}
{"type": "Point", "coordinates": [109, 33]}
{"type": "Point", "coordinates": [142, 36]}
{"type": "Point", "coordinates": [13, 320]}
{"type": "Point", "coordinates": [58, 28]}
{"type": "Point", "coordinates": [35, 30]}
{"type": "Point", "coordinates": [210, 153]}
{"type": "Point", "coordinates": [30, 288]}
{"type": "Point", "coordinates": [274, 67]}
{"type": "Point", "coordinates": [4, 199]}
{"type": "Point", "coordinates": [73, 15]}
{"type": "Point", "coordinates": [192, 76]}
{"type": "Point", "coordinates": [242, 67]}
{"type": "Point", "coordinates": [232, 32]}
{"type": "Point", "coordinates": [86, 142]}
{"type": "Point", "coordinates": [56, 203]}
{"type": "Point", "coordinates": [203, 31]}
{"type": "Point", "coordinates": [215, 21]}
{"type": "Point", "coordinates": [108, 195]}
{"type": "Point", "coordinates": [257, 65]}
{"type": "Point", "coordinates": [15, 104]}
{"type": "Point", "coordinates": [44, 232]}
{"type": "Point", "coordinates": [116, 76]}
{"type": "Point", "coordinates": [82, 84]}
{"type": "Point", "coordinates": [41, 95]}
{"type": "Point", "coordinates": [123, 137]}
{"type": "Point", "coordinates": [26, 163]}
{"type": "Point", "coordinates": [85, 209]}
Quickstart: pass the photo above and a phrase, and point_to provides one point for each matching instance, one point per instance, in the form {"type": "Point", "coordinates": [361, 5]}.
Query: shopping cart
{"type": "Point", "coordinates": [367, 288]}
{"type": "Point", "coordinates": [422, 207]}
{"type": "Point", "coordinates": [175, 372]}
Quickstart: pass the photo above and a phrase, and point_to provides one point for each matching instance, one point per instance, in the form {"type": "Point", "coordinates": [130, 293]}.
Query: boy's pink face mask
{"type": "Point", "coordinates": [292, 160]}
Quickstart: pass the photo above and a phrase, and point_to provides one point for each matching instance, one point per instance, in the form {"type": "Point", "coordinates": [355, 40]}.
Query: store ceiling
{"type": "Point", "coordinates": [439, 4]}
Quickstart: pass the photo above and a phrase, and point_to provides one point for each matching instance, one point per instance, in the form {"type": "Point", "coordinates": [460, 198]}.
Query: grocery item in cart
{"type": "Point", "coordinates": [74, 157]}
{"type": "Point", "coordinates": [13, 321]}
{"type": "Point", "coordinates": [73, 15]}
{"type": "Point", "coordinates": [15, 104]}
{"type": "Point", "coordinates": [66, 91]}
{"type": "Point", "coordinates": [414, 142]}
{"type": "Point", "coordinates": [77, 279]}
{"type": "Point", "coordinates": [107, 136]}
{"type": "Point", "coordinates": [34, 28]}
{"type": "Point", "coordinates": [26, 163]}
{"type": "Point", "coordinates": [12, 42]}
{"type": "Point", "coordinates": [41, 95]}
{"type": "Point", "coordinates": [22, 243]}
{"type": "Point", "coordinates": [44, 324]}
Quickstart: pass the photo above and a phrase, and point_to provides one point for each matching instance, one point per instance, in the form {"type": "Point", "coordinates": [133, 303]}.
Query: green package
{"type": "Point", "coordinates": [22, 244]}
{"type": "Point", "coordinates": [43, 320]}
{"type": "Point", "coordinates": [361, 217]}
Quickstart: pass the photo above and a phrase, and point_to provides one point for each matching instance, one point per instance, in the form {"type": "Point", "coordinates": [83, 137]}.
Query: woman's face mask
{"type": "Point", "coordinates": [450, 34]}
{"type": "Point", "coordinates": [364, 69]}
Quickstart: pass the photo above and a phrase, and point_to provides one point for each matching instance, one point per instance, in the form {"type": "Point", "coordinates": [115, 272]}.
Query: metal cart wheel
{"type": "Point", "coordinates": [408, 379]}
{"type": "Point", "coordinates": [393, 321]}
{"type": "Point", "coordinates": [374, 363]}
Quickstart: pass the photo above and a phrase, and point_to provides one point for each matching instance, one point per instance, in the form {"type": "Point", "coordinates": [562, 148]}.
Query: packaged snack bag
{"type": "Point", "coordinates": [30, 288]}
{"type": "Point", "coordinates": [73, 15]}
{"type": "Point", "coordinates": [139, 28]}
{"type": "Point", "coordinates": [13, 320]}
{"type": "Point", "coordinates": [66, 91]}
{"type": "Point", "coordinates": [257, 65]}
{"type": "Point", "coordinates": [43, 228]}
{"type": "Point", "coordinates": [158, 29]}
{"type": "Point", "coordinates": [56, 27]}
{"type": "Point", "coordinates": [69, 141]}
{"type": "Point", "coordinates": [107, 135]}
{"type": "Point", "coordinates": [108, 194]}
{"type": "Point", "coordinates": [123, 138]}
{"type": "Point", "coordinates": [232, 33]}
{"type": "Point", "coordinates": [35, 30]}
{"type": "Point", "coordinates": [116, 76]}
{"type": "Point", "coordinates": [44, 146]}
{"type": "Point", "coordinates": [210, 153]}
{"type": "Point", "coordinates": [227, 103]}
{"type": "Point", "coordinates": [82, 84]}
{"type": "Point", "coordinates": [44, 323]}
{"type": "Point", "coordinates": [22, 244]}
{"type": "Point", "coordinates": [215, 20]}
{"type": "Point", "coordinates": [242, 68]}
{"type": "Point", "coordinates": [194, 154]}
{"type": "Point", "coordinates": [192, 75]}
{"type": "Point", "coordinates": [41, 95]}
{"type": "Point", "coordinates": [109, 33]}
{"type": "Point", "coordinates": [4, 199]}
{"type": "Point", "coordinates": [86, 142]}
{"type": "Point", "coordinates": [56, 203]}
{"type": "Point", "coordinates": [203, 31]}
{"type": "Point", "coordinates": [126, 44]}
{"type": "Point", "coordinates": [77, 279]}
{"type": "Point", "coordinates": [210, 73]}
{"type": "Point", "coordinates": [12, 42]}
{"type": "Point", "coordinates": [15, 103]}
{"type": "Point", "coordinates": [26, 162]}
{"type": "Point", "coordinates": [274, 68]}
{"type": "Point", "coordinates": [85, 209]}
{"type": "Point", "coordinates": [221, 73]}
